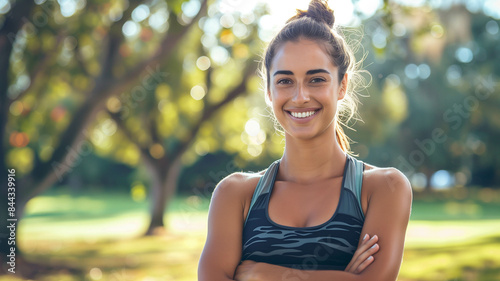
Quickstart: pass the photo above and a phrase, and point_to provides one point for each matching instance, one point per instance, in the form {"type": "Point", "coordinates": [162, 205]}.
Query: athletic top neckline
{"type": "Point", "coordinates": [268, 198]}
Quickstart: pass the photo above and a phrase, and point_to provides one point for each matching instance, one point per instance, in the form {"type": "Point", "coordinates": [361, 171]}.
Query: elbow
{"type": "Point", "coordinates": [379, 276]}
{"type": "Point", "coordinates": [214, 278]}
{"type": "Point", "coordinates": [210, 274]}
{"type": "Point", "coordinates": [376, 278]}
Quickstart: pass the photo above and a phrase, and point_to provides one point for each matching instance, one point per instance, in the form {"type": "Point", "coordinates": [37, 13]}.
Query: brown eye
{"type": "Point", "coordinates": [284, 81]}
{"type": "Point", "coordinates": [317, 80]}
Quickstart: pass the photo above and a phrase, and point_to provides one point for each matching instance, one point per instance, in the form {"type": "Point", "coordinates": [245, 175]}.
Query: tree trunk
{"type": "Point", "coordinates": [163, 190]}
{"type": "Point", "coordinates": [13, 21]}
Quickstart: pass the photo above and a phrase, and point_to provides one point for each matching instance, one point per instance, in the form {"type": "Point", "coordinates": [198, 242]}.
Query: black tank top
{"type": "Point", "coordinates": [328, 246]}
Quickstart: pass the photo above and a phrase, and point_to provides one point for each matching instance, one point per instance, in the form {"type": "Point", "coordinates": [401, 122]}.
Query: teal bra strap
{"type": "Point", "coordinates": [359, 168]}
{"type": "Point", "coordinates": [263, 185]}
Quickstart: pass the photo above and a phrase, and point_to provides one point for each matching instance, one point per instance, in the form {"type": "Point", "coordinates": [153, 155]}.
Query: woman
{"type": "Point", "coordinates": [317, 213]}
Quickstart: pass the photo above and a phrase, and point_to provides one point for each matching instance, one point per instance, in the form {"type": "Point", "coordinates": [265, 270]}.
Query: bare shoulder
{"type": "Point", "coordinates": [237, 187]}
{"type": "Point", "coordinates": [238, 182]}
{"type": "Point", "coordinates": [389, 181]}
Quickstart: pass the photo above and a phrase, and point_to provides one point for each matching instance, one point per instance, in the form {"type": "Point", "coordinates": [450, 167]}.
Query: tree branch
{"type": "Point", "coordinates": [153, 128]}
{"type": "Point", "coordinates": [80, 62]}
{"type": "Point", "coordinates": [119, 122]}
{"type": "Point", "coordinates": [113, 41]}
{"type": "Point", "coordinates": [209, 111]}
{"type": "Point", "coordinates": [167, 45]}
{"type": "Point", "coordinates": [41, 66]}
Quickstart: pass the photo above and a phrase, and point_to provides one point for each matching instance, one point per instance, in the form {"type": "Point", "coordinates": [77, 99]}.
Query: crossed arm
{"type": "Point", "coordinates": [387, 214]}
{"type": "Point", "coordinates": [363, 257]}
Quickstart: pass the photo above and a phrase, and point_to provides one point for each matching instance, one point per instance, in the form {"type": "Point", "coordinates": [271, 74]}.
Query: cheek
{"type": "Point", "coordinates": [326, 97]}
{"type": "Point", "coordinates": [277, 98]}
{"type": "Point", "coordinates": [277, 105]}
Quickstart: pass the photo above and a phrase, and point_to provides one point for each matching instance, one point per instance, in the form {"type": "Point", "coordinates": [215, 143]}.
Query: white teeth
{"type": "Point", "coordinates": [302, 114]}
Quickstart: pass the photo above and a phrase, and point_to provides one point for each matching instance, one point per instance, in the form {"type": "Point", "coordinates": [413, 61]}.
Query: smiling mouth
{"type": "Point", "coordinates": [303, 114]}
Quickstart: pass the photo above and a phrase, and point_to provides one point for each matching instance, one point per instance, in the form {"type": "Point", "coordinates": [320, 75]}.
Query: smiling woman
{"type": "Point", "coordinates": [327, 48]}
{"type": "Point", "coordinates": [317, 213]}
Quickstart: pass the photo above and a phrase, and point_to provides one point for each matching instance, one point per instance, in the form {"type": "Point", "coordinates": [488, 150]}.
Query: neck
{"type": "Point", "coordinates": [312, 160]}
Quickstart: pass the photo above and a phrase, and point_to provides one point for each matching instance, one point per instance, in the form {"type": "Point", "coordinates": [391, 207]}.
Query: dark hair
{"type": "Point", "coordinates": [317, 24]}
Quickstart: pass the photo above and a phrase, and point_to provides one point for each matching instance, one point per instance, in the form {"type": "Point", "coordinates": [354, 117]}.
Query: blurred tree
{"type": "Point", "coordinates": [175, 121]}
{"type": "Point", "coordinates": [56, 60]}
{"type": "Point", "coordinates": [434, 88]}
{"type": "Point", "coordinates": [88, 62]}
{"type": "Point", "coordinates": [188, 113]}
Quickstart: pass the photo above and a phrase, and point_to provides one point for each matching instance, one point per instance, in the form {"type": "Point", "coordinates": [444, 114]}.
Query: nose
{"type": "Point", "coordinates": [301, 95]}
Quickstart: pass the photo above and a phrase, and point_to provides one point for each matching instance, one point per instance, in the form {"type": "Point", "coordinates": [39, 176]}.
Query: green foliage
{"type": "Point", "coordinates": [436, 91]}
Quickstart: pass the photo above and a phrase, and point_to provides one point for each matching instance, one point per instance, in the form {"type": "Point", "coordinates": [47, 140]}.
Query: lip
{"type": "Point", "coordinates": [298, 110]}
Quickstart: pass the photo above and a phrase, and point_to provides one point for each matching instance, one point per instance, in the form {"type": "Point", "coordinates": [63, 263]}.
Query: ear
{"type": "Point", "coordinates": [343, 87]}
{"type": "Point", "coordinates": [269, 96]}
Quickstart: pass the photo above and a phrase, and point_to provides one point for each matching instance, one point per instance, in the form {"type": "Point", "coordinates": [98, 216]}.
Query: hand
{"type": "Point", "coordinates": [363, 256]}
{"type": "Point", "coordinates": [246, 271]}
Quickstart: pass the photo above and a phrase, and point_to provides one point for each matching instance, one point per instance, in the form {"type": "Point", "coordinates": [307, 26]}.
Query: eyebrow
{"type": "Point", "coordinates": [314, 71]}
{"type": "Point", "coordinates": [309, 72]}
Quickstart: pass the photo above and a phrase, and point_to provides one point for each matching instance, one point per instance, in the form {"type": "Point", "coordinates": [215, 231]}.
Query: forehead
{"type": "Point", "coordinates": [301, 56]}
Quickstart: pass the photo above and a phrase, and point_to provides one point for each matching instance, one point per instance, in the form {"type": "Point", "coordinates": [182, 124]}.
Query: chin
{"type": "Point", "coordinates": [307, 134]}
{"type": "Point", "coordinates": [311, 132]}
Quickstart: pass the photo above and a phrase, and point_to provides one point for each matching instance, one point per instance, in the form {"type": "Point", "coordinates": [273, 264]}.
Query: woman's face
{"type": "Point", "coordinates": [304, 89]}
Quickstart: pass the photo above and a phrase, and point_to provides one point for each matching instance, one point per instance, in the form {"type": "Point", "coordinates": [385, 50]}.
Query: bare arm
{"type": "Point", "coordinates": [222, 252]}
{"type": "Point", "coordinates": [387, 216]}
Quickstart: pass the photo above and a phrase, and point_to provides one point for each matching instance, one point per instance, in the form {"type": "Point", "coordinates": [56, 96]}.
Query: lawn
{"type": "Point", "coordinates": [97, 234]}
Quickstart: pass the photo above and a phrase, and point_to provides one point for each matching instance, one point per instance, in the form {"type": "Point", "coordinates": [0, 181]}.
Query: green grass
{"type": "Point", "coordinates": [99, 233]}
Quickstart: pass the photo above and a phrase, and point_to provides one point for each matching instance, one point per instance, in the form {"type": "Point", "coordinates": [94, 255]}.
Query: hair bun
{"type": "Point", "coordinates": [319, 11]}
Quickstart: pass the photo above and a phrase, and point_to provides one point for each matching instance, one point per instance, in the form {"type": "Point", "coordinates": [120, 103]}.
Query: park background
{"type": "Point", "coordinates": [120, 117]}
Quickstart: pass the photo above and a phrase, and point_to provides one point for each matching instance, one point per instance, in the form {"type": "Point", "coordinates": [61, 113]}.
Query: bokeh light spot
{"type": "Point", "coordinates": [252, 127]}
{"type": "Point", "coordinates": [203, 63]}
{"type": "Point", "coordinates": [140, 13]}
{"type": "Point", "coordinates": [113, 104]}
{"type": "Point", "coordinates": [19, 139]}
{"type": "Point", "coordinates": [131, 28]}
{"type": "Point", "coordinates": [454, 74]}
{"type": "Point", "coordinates": [58, 113]}
{"type": "Point", "coordinates": [424, 71]}
{"type": "Point", "coordinates": [197, 92]}
{"type": "Point", "coordinates": [157, 151]}
{"type": "Point", "coordinates": [254, 150]}
{"type": "Point", "coordinates": [219, 55]}
{"type": "Point", "coordinates": [492, 27]}
{"type": "Point", "coordinates": [201, 148]}
{"type": "Point", "coordinates": [442, 179]}
{"type": "Point", "coordinates": [95, 273]}
{"type": "Point", "coordinates": [379, 40]}
{"type": "Point", "coordinates": [418, 181]}
{"type": "Point", "coordinates": [399, 29]}
{"type": "Point", "coordinates": [16, 108]}
{"type": "Point", "coordinates": [191, 8]}
{"type": "Point", "coordinates": [4, 6]}
{"type": "Point", "coordinates": [138, 192]}
{"type": "Point", "coordinates": [226, 21]}
{"type": "Point", "coordinates": [437, 31]}
{"type": "Point", "coordinates": [464, 55]}
{"type": "Point", "coordinates": [411, 71]}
